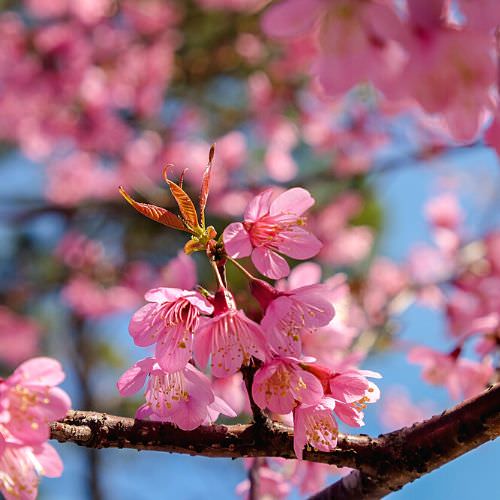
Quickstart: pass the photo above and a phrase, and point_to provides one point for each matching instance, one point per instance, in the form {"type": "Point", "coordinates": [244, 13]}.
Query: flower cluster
{"type": "Point", "coordinates": [409, 52]}
{"type": "Point", "coordinates": [29, 401]}
{"type": "Point", "coordinates": [195, 329]}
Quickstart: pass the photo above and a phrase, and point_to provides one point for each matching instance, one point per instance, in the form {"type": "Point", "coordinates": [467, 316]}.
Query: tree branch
{"type": "Point", "coordinates": [411, 452]}
{"type": "Point", "coordinates": [384, 464]}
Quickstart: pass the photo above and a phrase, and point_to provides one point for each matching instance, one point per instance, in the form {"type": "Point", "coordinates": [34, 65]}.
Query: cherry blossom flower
{"type": "Point", "coordinates": [270, 227]}
{"type": "Point", "coordinates": [19, 337]}
{"type": "Point", "coordinates": [29, 400]}
{"type": "Point", "coordinates": [315, 426]}
{"type": "Point", "coordinates": [21, 467]}
{"type": "Point", "coordinates": [229, 337]}
{"type": "Point", "coordinates": [271, 484]}
{"type": "Point", "coordinates": [169, 320]}
{"type": "Point", "coordinates": [350, 389]}
{"type": "Point", "coordinates": [462, 377]}
{"type": "Point", "coordinates": [289, 315]}
{"type": "Point", "coordinates": [281, 384]}
{"type": "Point", "coordinates": [184, 398]}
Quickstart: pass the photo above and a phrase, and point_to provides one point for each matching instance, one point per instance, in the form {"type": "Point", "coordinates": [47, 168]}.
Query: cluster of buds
{"type": "Point", "coordinates": [199, 335]}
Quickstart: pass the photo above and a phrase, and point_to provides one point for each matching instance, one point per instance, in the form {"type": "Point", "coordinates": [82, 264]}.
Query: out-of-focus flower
{"type": "Point", "coordinates": [462, 377]}
{"type": "Point", "coordinates": [271, 484]}
{"type": "Point", "coordinates": [19, 337]}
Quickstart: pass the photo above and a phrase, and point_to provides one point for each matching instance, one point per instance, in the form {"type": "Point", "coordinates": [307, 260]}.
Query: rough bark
{"type": "Point", "coordinates": [383, 464]}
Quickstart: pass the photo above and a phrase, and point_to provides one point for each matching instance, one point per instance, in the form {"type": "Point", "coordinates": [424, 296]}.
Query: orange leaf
{"type": "Point", "coordinates": [186, 206]}
{"type": "Point", "coordinates": [205, 185]}
{"type": "Point", "coordinates": [155, 213]}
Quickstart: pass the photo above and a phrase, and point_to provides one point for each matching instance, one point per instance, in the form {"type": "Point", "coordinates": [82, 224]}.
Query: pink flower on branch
{"type": "Point", "coordinates": [229, 337]}
{"type": "Point", "coordinates": [462, 377]}
{"type": "Point", "coordinates": [169, 320]}
{"type": "Point", "coordinates": [281, 384]}
{"type": "Point", "coordinates": [293, 314]}
{"type": "Point", "coordinates": [271, 228]}
{"type": "Point", "coordinates": [21, 467]}
{"type": "Point", "coordinates": [315, 426]}
{"type": "Point", "coordinates": [29, 400]}
{"type": "Point", "coordinates": [350, 389]}
{"type": "Point", "coordinates": [184, 398]}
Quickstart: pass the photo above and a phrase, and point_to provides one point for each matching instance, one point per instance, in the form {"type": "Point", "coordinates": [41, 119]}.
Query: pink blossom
{"type": "Point", "coordinates": [229, 337]}
{"type": "Point", "coordinates": [462, 377]}
{"type": "Point", "coordinates": [444, 211]}
{"type": "Point", "coordinates": [281, 384]}
{"type": "Point", "coordinates": [19, 337]}
{"type": "Point", "coordinates": [355, 38]}
{"type": "Point", "coordinates": [232, 390]}
{"type": "Point", "coordinates": [310, 477]}
{"type": "Point", "coordinates": [89, 298]}
{"type": "Point", "coordinates": [271, 484]}
{"type": "Point", "coordinates": [21, 467]}
{"type": "Point", "coordinates": [184, 398]}
{"type": "Point", "coordinates": [180, 272]}
{"type": "Point", "coordinates": [350, 389]}
{"type": "Point", "coordinates": [290, 315]}
{"type": "Point", "coordinates": [29, 400]}
{"type": "Point", "coordinates": [352, 392]}
{"type": "Point", "coordinates": [169, 320]}
{"type": "Point", "coordinates": [481, 14]}
{"type": "Point", "coordinates": [315, 426]}
{"type": "Point", "coordinates": [399, 411]}
{"type": "Point", "coordinates": [451, 55]}
{"type": "Point", "coordinates": [77, 251]}
{"type": "Point", "coordinates": [270, 227]}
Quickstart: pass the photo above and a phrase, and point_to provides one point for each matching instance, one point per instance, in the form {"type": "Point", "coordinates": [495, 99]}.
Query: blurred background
{"type": "Point", "coordinates": [95, 94]}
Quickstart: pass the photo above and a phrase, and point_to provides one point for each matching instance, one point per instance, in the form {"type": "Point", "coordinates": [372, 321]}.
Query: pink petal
{"type": "Point", "coordinates": [40, 371]}
{"type": "Point", "coordinates": [49, 460]}
{"type": "Point", "coordinates": [173, 350]}
{"type": "Point", "coordinates": [164, 294]}
{"type": "Point", "coordinates": [203, 342]}
{"type": "Point", "coordinates": [308, 273]}
{"type": "Point", "coordinates": [146, 325]}
{"type": "Point", "coordinates": [133, 379]}
{"type": "Point", "coordinates": [299, 244]}
{"type": "Point", "coordinates": [237, 241]}
{"type": "Point", "coordinates": [269, 263]}
{"type": "Point", "coordinates": [293, 201]}
{"type": "Point", "coordinates": [291, 18]}
{"type": "Point", "coordinates": [200, 302]}
{"type": "Point", "coordinates": [258, 206]}
{"type": "Point", "coordinates": [220, 406]}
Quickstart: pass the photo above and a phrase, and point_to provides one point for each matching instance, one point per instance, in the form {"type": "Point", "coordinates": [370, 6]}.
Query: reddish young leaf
{"type": "Point", "coordinates": [205, 185]}
{"type": "Point", "coordinates": [155, 213]}
{"type": "Point", "coordinates": [186, 206]}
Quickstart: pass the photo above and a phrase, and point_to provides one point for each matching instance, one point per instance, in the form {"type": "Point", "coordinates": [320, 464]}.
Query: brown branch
{"type": "Point", "coordinates": [384, 464]}
{"type": "Point", "coordinates": [411, 452]}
